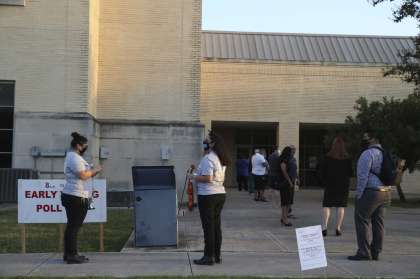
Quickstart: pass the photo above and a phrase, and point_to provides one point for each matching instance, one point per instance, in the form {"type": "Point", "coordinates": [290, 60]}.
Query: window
{"type": "Point", "coordinates": [12, 2]}
{"type": "Point", "coordinates": [7, 102]}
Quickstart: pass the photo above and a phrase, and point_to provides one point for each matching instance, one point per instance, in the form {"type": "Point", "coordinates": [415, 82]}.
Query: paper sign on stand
{"type": "Point", "coordinates": [311, 247]}
{"type": "Point", "coordinates": [39, 201]}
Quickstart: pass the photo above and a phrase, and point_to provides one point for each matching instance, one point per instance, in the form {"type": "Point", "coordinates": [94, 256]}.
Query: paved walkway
{"type": "Point", "coordinates": [254, 245]}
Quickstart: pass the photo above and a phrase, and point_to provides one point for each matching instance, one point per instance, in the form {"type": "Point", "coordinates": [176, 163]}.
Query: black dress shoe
{"type": "Point", "coordinates": [218, 259]}
{"type": "Point", "coordinates": [285, 224]}
{"type": "Point", "coordinates": [86, 259]}
{"type": "Point", "coordinates": [75, 259]}
{"type": "Point", "coordinates": [375, 257]}
{"type": "Point", "coordinates": [324, 232]}
{"type": "Point", "coordinates": [358, 258]}
{"type": "Point", "coordinates": [338, 233]}
{"type": "Point", "coordinates": [204, 261]}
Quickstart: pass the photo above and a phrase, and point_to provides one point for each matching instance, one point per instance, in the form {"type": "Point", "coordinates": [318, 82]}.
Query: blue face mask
{"type": "Point", "coordinates": [206, 146]}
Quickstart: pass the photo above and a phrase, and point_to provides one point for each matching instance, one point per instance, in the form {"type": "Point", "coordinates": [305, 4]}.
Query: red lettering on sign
{"type": "Point", "coordinates": [28, 194]}
{"type": "Point", "coordinates": [41, 194]}
{"type": "Point", "coordinates": [53, 193]}
{"type": "Point", "coordinates": [48, 208]}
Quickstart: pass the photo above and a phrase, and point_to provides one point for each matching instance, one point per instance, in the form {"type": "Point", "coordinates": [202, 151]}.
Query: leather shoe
{"type": "Point", "coordinates": [358, 258]}
{"type": "Point", "coordinates": [324, 232]}
{"type": "Point", "coordinates": [218, 259]}
{"type": "Point", "coordinates": [375, 257]}
{"type": "Point", "coordinates": [86, 259]}
{"type": "Point", "coordinates": [338, 233]}
{"type": "Point", "coordinates": [75, 259]}
{"type": "Point", "coordinates": [204, 261]}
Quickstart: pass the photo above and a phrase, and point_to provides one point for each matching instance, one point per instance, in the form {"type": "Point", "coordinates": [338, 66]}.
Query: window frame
{"type": "Point", "coordinates": [13, 110]}
{"type": "Point", "coordinates": [12, 2]}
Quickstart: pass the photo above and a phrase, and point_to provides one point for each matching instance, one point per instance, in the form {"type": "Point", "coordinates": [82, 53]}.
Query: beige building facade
{"type": "Point", "coordinates": [272, 90]}
{"type": "Point", "coordinates": [125, 73]}
{"type": "Point", "coordinates": [142, 81]}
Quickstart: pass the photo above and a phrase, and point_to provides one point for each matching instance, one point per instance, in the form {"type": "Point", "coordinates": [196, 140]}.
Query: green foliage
{"type": "Point", "coordinates": [396, 120]}
{"type": "Point", "coordinates": [409, 68]}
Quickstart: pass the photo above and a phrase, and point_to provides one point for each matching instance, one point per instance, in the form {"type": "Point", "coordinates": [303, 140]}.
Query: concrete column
{"type": "Point", "coordinates": [288, 134]}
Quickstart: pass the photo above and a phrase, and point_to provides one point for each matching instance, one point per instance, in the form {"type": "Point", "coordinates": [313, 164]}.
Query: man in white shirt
{"type": "Point", "coordinates": [259, 171]}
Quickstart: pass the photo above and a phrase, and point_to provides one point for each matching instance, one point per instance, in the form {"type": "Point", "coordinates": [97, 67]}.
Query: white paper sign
{"type": "Point", "coordinates": [311, 247]}
{"type": "Point", "coordinates": [39, 201]}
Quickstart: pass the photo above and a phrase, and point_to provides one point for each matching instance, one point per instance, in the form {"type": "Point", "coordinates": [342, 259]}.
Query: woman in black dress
{"type": "Point", "coordinates": [335, 174]}
{"type": "Point", "coordinates": [286, 185]}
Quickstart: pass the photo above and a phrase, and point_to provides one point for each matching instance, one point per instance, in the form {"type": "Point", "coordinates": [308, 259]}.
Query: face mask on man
{"type": "Point", "coordinates": [364, 143]}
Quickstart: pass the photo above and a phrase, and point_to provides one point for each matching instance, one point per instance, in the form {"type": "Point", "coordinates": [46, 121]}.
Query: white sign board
{"type": "Point", "coordinates": [311, 247]}
{"type": "Point", "coordinates": [39, 201]}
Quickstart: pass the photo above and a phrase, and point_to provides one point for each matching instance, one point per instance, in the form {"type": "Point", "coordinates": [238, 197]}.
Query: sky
{"type": "Point", "coordinates": [357, 17]}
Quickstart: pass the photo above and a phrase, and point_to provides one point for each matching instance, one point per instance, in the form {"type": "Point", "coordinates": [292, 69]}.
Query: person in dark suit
{"type": "Point", "coordinates": [335, 176]}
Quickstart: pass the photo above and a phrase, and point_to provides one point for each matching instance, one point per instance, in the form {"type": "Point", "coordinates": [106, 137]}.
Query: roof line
{"type": "Point", "coordinates": [304, 34]}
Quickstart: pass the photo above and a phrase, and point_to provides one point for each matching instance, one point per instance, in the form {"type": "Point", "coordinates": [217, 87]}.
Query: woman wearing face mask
{"type": "Point", "coordinates": [211, 196]}
{"type": "Point", "coordinates": [74, 196]}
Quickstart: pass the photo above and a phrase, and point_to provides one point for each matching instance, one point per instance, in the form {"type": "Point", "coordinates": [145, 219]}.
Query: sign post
{"type": "Point", "coordinates": [311, 248]}
{"type": "Point", "coordinates": [39, 202]}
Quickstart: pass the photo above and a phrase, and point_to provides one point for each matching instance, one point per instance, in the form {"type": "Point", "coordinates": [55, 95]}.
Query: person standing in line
{"type": "Point", "coordinates": [286, 185]}
{"type": "Point", "coordinates": [274, 175]}
{"type": "Point", "coordinates": [335, 175]}
{"type": "Point", "coordinates": [75, 197]}
{"type": "Point", "coordinates": [293, 174]}
{"type": "Point", "coordinates": [242, 166]}
{"type": "Point", "coordinates": [211, 196]}
{"type": "Point", "coordinates": [259, 170]}
{"type": "Point", "coordinates": [372, 198]}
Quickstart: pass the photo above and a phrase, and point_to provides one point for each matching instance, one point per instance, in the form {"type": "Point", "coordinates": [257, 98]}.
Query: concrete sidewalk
{"type": "Point", "coordinates": [254, 244]}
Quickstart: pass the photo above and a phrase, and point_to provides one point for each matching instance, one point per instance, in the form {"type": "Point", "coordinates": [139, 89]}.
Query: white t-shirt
{"type": "Point", "coordinates": [258, 164]}
{"type": "Point", "coordinates": [210, 165]}
{"type": "Point", "coordinates": [73, 165]}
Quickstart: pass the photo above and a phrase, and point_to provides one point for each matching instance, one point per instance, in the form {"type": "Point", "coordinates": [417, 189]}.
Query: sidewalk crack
{"type": "Point", "coordinates": [40, 264]}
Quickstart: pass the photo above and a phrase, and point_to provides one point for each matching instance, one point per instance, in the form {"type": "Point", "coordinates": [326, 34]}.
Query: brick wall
{"type": "Point", "coordinates": [149, 60]}
{"type": "Point", "coordinates": [44, 47]}
{"type": "Point", "coordinates": [290, 93]}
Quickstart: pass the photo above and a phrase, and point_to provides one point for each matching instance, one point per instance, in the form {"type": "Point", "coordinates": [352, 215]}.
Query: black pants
{"type": "Point", "coordinates": [210, 207]}
{"type": "Point", "coordinates": [76, 210]}
{"type": "Point", "coordinates": [370, 212]}
{"type": "Point", "coordinates": [242, 182]}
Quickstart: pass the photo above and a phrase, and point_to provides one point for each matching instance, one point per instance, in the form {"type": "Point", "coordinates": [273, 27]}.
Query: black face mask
{"type": "Point", "coordinates": [364, 144]}
{"type": "Point", "coordinates": [83, 150]}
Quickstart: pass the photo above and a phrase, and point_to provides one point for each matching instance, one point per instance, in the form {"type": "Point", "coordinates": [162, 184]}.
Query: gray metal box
{"type": "Point", "coordinates": [155, 204]}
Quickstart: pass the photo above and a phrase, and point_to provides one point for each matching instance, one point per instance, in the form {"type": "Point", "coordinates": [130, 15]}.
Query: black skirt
{"type": "Point", "coordinates": [286, 194]}
{"type": "Point", "coordinates": [335, 198]}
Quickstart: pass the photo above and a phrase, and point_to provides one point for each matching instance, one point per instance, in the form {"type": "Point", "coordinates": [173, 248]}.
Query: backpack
{"type": "Point", "coordinates": [388, 173]}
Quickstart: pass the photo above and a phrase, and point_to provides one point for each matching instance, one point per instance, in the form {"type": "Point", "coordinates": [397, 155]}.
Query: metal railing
{"type": "Point", "coordinates": [9, 182]}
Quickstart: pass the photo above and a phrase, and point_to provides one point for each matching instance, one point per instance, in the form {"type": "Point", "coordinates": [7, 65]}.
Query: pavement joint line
{"type": "Point", "coordinates": [187, 230]}
{"type": "Point", "coordinates": [273, 238]}
{"type": "Point", "coordinates": [52, 255]}
{"type": "Point", "coordinates": [343, 268]}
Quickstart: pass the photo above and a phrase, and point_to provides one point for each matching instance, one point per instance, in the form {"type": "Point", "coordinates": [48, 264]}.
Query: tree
{"type": "Point", "coordinates": [409, 68]}
{"type": "Point", "coordinates": [401, 117]}
{"type": "Point", "coordinates": [397, 120]}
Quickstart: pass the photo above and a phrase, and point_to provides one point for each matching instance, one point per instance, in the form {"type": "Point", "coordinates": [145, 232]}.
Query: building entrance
{"type": "Point", "coordinates": [241, 139]}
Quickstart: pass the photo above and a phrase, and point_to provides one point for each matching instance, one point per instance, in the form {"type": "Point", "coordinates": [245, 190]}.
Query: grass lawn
{"type": "Point", "coordinates": [45, 238]}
